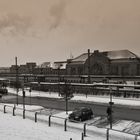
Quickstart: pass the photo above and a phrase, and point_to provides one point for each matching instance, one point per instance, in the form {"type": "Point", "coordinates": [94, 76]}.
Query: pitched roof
{"type": "Point", "coordinates": [120, 54]}
{"type": "Point", "coordinates": [80, 59]}
{"type": "Point", "coordinates": [112, 55]}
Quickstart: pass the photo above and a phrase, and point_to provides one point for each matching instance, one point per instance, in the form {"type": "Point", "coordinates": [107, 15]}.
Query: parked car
{"type": "Point", "coordinates": [81, 114]}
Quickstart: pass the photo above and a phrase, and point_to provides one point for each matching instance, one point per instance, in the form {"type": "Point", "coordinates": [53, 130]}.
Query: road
{"type": "Point", "coordinates": [119, 112]}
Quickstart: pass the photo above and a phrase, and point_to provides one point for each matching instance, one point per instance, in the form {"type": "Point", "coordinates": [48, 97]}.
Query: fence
{"type": "Point", "coordinates": [86, 129]}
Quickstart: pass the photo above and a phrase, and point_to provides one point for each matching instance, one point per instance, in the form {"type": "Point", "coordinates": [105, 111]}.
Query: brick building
{"type": "Point", "coordinates": [120, 62]}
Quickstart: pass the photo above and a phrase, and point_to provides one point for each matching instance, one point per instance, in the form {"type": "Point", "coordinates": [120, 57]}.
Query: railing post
{"type": "Point", "coordinates": [24, 114]}
{"type": "Point", "coordinates": [13, 111]}
{"type": "Point", "coordinates": [65, 125]}
{"type": "Point", "coordinates": [35, 116]}
{"type": "Point", "coordinates": [82, 136]}
{"type": "Point", "coordinates": [85, 129]}
{"type": "Point", "coordinates": [107, 134]}
{"type": "Point", "coordinates": [4, 108]}
{"type": "Point", "coordinates": [49, 120]}
{"type": "Point", "coordinates": [136, 137]}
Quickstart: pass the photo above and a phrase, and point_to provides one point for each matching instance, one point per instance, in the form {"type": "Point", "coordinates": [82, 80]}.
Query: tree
{"type": "Point", "coordinates": [67, 93]}
{"type": "Point", "coordinates": [66, 90]}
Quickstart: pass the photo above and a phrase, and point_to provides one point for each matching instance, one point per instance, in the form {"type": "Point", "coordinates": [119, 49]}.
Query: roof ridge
{"type": "Point", "coordinates": [133, 54]}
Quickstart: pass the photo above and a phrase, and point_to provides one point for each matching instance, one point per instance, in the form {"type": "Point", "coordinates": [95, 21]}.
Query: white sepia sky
{"type": "Point", "coordinates": [52, 30]}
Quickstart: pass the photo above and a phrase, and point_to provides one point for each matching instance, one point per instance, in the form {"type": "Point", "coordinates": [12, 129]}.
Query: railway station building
{"type": "Point", "coordinates": [118, 62]}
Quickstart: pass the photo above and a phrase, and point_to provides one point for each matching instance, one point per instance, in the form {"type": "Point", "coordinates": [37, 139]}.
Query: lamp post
{"type": "Point", "coordinates": [66, 96]}
{"type": "Point", "coordinates": [17, 83]}
{"type": "Point", "coordinates": [110, 111]}
{"type": "Point", "coordinates": [58, 80]}
{"type": "Point", "coordinates": [23, 92]}
{"type": "Point", "coordinates": [30, 90]}
{"type": "Point", "coordinates": [89, 80]}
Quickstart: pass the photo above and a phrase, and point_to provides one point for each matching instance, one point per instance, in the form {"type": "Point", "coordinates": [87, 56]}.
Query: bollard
{"type": "Point", "coordinates": [107, 134]}
{"type": "Point", "coordinates": [14, 111]}
{"type": "Point", "coordinates": [85, 129]}
{"type": "Point", "coordinates": [70, 138]}
{"type": "Point", "coordinates": [4, 108]}
{"type": "Point", "coordinates": [24, 114]}
{"type": "Point", "coordinates": [35, 116]}
{"type": "Point", "coordinates": [136, 137]}
{"type": "Point", "coordinates": [49, 120]}
{"type": "Point", "coordinates": [82, 136]}
{"type": "Point", "coordinates": [65, 125]}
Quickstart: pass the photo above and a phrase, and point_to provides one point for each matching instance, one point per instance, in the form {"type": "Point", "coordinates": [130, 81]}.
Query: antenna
{"type": "Point", "coordinates": [71, 55]}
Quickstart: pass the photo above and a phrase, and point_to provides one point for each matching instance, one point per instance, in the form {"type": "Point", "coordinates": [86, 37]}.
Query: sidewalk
{"type": "Point", "coordinates": [81, 97]}
{"type": "Point", "coordinates": [58, 119]}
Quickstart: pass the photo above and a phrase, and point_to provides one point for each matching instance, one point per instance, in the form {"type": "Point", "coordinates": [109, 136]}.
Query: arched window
{"type": "Point", "coordinates": [97, 69]}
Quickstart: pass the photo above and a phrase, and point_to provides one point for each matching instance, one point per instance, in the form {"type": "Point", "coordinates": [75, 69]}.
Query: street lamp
{"type": "Point", "coordinates": [30, 90]}
{"type": "Point", "coordinates": [109, 110]}
{"type": "Point", "coordinates": [17, 82]}
{"type": "Point", "coordinates": [23, 92]}
{"type": "Point", "coordinates": [66, 96]}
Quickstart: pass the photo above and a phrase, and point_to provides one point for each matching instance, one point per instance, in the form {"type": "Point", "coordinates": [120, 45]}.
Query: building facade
{"type": "Point", "coordinates": [120, 62]}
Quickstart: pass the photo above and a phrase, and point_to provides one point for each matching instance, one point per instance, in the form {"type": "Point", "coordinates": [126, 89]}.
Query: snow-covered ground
{"type": "Point", "coordinates": [16, 128]}
{"type": "Point", "coordinates": [89, 98]}
{"type": "Point", "coordinates": [92, 125]}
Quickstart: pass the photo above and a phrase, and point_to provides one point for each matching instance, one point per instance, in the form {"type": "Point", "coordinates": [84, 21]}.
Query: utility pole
{"type": "Point", "coordinates": [89, 80]}
{"type": "Point", "coordinates": [66, 96]}
{"type": "Point", "coordinates": [58, 80]}
{"type": "Point", "coordinates": [17, 83]}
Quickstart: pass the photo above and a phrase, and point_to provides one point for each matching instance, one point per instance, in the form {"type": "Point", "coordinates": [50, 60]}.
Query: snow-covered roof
{"type": "Point", "coordinates": [120, 54]}
{"type": "Point", "coordinates": [59, 65]}
{"type": "Point", "coordinates": [44, 65]}
{"type": "Point", "coordinates": [111, 55]}
{"type": "Point", "coordinates": [80, 59]}
{"type": "Point", "coordinates": [53, 65]}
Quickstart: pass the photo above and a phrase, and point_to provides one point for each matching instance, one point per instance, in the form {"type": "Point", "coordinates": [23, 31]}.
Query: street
{"type": "Point", "coordinates": [119, 111]}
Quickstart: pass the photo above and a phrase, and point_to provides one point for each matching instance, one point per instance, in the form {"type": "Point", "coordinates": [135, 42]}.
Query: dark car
{"type": "Point", "coordinates": [81, 114]}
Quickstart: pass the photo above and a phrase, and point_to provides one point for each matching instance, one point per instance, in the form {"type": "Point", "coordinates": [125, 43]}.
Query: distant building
{"type": "Point", "coordinates": [13, 69]}
{"type": "Point", "coordinates": [59, 67]}
{"type": "Point", "coordinates": [48, 68]}
{"type": "Point", "coordinates": [28, 68]}
{"type": "Point", "coordinates": [4, 69]}
{"type": "Point", "coordinates": [44, 68]}
{"type": "Point", "coordinates": [120, 62]}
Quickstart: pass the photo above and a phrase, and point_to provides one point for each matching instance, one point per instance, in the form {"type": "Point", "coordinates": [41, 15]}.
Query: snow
{"type": "Point", "coordinates": [17, 128]}
{"type": "Point", "coordinates": [40, 130]}
{"type": "Point", "coordinates": [22, 129]}
{"type": "Point", "coordinates": [81, 97]}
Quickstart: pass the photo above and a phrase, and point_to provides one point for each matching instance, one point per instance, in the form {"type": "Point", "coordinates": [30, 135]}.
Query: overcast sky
{"type": "Point", "coordinates": [53, 30]}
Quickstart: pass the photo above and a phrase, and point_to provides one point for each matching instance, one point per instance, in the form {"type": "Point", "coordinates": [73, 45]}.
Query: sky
{"type": "Point", "coordinates": [55, 30]}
